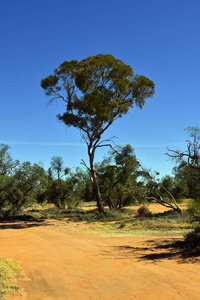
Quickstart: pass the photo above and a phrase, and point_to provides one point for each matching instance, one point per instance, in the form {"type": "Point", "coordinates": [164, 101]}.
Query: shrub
{"type": "Point", "coordinates": [143, 211]}
{"type": "Point", "coordinates": [193, 206]}
{"type": "Point", "coordinates": [122, 225]}
{"type": "Point", "coordinates": [192, 240]}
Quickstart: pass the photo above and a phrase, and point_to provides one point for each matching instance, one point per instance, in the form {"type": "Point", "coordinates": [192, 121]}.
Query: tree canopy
{"type": "Point", "coordinates": [97, 90]}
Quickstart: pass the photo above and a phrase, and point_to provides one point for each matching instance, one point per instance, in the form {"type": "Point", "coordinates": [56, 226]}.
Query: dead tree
{"type": "Point", "coordinates": [154, 196]}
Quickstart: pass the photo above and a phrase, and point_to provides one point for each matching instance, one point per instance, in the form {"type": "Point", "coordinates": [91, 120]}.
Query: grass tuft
{"type": "Point", "coordinates": [9, 269]}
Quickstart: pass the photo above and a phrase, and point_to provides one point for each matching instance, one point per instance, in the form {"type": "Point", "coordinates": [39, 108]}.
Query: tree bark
{"type": "Point", "coordinates": [95, 182]}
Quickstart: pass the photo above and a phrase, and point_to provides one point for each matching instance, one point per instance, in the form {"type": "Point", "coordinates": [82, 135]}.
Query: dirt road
{"type": "Point", "coordinates": [62, 263]}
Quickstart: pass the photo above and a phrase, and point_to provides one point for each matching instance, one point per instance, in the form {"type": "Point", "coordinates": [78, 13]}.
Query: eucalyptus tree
{"type": "Point", "coordinates": [96, 91]}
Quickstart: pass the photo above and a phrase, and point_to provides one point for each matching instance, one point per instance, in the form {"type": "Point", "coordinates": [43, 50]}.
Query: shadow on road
{"type": "Point", "coordinates": [153, 252]}
{"type": "Point", "coordinates": [20, 222]}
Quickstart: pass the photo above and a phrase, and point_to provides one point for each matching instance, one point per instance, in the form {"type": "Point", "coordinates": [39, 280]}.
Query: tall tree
{"type": "Point", "coordinates": [97, 91]}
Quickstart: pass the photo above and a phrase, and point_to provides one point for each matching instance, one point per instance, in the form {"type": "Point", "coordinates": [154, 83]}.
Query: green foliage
{"type": "Point", "coordinates": [194, 206]}
{"type": "Point", "coordinates": [21, 187]}
{"type": "Point", "coordinates": [57, 193]}
{"type": "Point", "coordinates": [57, 165]}
{"type": "Point", "coordinates": [97, 90]}
{"type": "Point", "coordinates": [117, 175]}
{"type": "Point", "coordinates": [88, 192]}
{"type": "Point", "coordinates": [7, 164]}
{"type": "Point", "coordinates": [69, 191]}
{"type": "Point", "coordinates": [187, 182]}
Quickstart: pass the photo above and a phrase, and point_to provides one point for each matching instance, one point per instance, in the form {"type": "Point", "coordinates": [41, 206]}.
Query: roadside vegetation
{"type": "Point", "coordinates": [122, 182]}
{"type": "Point", "coordinates": [128, 220]}
{"type": "Point", "coordinates": [29, 193]}
{"type": "Point", "coordinates": [8, 271]}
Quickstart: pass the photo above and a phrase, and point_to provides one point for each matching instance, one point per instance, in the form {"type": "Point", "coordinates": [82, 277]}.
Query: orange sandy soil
{"type": "Point", "coordinates": [61, 261]}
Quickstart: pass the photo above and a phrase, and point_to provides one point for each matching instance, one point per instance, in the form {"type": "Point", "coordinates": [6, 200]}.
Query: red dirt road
{"type": "Point", "coordinates": [62, 263]}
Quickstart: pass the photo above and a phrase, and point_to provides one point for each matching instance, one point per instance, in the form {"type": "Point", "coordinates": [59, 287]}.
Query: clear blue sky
{"type": "Point", "coordinates": [159, 39]}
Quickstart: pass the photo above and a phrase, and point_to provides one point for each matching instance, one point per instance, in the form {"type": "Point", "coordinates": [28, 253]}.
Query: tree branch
{"type": "Point", "coordinates": [84, 164]}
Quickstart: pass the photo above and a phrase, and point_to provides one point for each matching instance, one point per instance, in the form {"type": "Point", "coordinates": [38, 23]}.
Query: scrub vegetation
{"type": "Point", "coordinates": [30, 193]}
{"type": "Point", "coordinates": [8, 271]}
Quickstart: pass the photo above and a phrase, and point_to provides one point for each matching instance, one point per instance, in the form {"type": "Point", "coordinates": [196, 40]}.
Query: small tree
{"type": "Point", "coordinates": [69, 191]}
{"type": "Point", "coordinates": [97, 91]}
{"type": "Point", "coordinates": [57, 165]}
{"type": "Point", "coordinates": [118, 177]}
{"type": "Point", "coordinates": [22, 188]}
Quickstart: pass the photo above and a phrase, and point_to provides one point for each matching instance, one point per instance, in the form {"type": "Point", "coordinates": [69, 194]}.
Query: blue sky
{"type": "Point", "coordinates": [158, 38]}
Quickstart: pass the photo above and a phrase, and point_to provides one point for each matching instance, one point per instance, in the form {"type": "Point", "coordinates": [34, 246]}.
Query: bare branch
{"type": "Point", "coordinates": [170, 196]}
{"type": "Point", "coordinates": [106, 145]}
{"type": "Point", "coordinates": [57, 96]}
{"type": "Point", "coordinates": [107, 140]}
{"type": "Point", "coordinates": [84, 138]}
{"type": "Point", "coordinates": [84, 164]}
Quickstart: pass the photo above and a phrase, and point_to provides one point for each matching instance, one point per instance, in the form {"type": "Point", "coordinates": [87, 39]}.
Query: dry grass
{"type": "Point", "coordinates": [8, 271]}
{"type": "Point", "coordinates": [124, 222]}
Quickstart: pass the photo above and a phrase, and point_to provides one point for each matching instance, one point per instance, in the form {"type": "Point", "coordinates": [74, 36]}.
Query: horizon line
{"type": "Point", "coordinates": [82, 144]}
{"type": "Point", "coordinates": [40, 143]}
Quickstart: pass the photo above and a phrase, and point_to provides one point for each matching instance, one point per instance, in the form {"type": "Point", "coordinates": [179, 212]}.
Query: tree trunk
{"type": "Point", "coordinates": [95, 182]}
